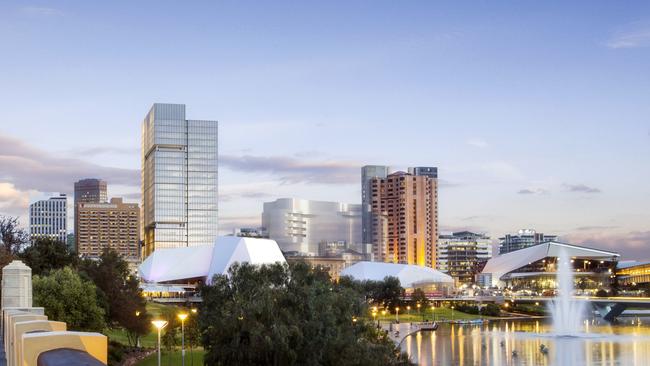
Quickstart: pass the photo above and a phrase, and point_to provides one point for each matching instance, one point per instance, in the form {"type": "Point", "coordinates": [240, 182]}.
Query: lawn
{"type": "Point", "coordinates": [406, 316]}
{"type": "Point", "coordinates": [150, 340]}
{"type": "Point", "coordinates": [174, 358]}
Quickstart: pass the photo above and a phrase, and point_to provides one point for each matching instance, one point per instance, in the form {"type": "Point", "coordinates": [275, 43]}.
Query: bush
{"type": "Point", "coordinates": [115, 353]}
{"type": "Point", "coordinates": [601, 293]}
{"type": "Point", "coordinates": [491, 310]}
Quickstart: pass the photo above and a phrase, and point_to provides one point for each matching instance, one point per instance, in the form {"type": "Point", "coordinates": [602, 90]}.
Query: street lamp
{"type": "Point", "coordinates": [159, 324]}
{"type": "Point", "coordinates": [408, 309]}
{"type": "Point", "coordinates": [452, 313]}
{"type": "Point", "coordinates": [433, 311]}
{"type": "Point", "coordinates": [182, 317]}
{"type": "Point", "coordinates": [420, 311]}
{"type": "Point", "coordinates": [137, 313]}
{"type": "Point", "coordinates": [397, 314]}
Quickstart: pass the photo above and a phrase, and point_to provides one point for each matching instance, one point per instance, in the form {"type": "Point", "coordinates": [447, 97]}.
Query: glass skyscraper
{"type": "Point", "coordinates": [179, 179]}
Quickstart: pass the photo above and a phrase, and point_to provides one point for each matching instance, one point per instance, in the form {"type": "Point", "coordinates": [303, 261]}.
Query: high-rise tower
{"type": "Point", "coordinates": [369, 172]}
{"type": "Point", "coordinates": [404, 218]}
{"type": "Point", "coordinates": [179, 179]}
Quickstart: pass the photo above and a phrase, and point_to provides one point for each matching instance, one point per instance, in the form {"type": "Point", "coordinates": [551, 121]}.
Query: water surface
{"type": "Point", "coordinates": [494, 343]}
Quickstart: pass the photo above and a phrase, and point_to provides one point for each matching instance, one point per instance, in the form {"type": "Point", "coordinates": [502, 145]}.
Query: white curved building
{"type": "Point", "coordinates": [301, 225]}
{"type": "Point", "coordinates": [205, 261]}
{"type": "Point", "coordinates": [410, 276]}
{"type": "Point", "coordinates": [535, 266]}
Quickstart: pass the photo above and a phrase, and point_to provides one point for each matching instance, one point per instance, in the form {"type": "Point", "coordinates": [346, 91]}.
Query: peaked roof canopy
{"type": "Point", "coordinates": [165, 265]}
{"type": "Point", "coordinates": [409, 275]}
{"type": "Point", "coordinates": [506, 263]}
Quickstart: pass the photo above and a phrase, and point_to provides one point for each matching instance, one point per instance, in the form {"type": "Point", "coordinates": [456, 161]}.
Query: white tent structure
{"type": "Point", "coordinates": [179, 264]}
{"type": "Point", "coordinates": [410, 276]}
{"type": "Point", "coordinates": [509, 263]}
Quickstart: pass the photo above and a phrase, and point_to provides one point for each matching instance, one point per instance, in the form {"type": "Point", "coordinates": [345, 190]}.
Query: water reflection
{"type": "Point", "coordinates": [520, 343]}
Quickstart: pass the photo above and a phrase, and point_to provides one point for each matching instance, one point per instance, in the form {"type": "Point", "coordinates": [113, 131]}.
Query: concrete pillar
{"type": "Point", "coordinates": [16, 285]}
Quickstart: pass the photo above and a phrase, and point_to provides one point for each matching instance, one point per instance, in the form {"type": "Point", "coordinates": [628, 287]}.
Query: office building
{"type": "Point", "coordinates": [90, 191]}
{"type": "Point", "coordinates": [179, 179]}
{"type": "Point", "coordinates": [525, 238]}
{"type": "Point", "coordinates": [460, 255]}
{"type": "Point", "coordinates": [299, 226]}
{"type": "Point", "coordinates": [405, 218]}
{"type": "Point", "coordinates": [49, 219]}
{"type": "Point", "coordinates": [369, 172]}
{"type": "Point", "coordinates": [114, 225]}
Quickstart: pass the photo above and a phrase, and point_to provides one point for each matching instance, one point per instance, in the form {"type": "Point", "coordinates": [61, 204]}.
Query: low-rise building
{"type": "Point", "coordinates": [333, 263]}
{"type": "Point", "coordinates": [460, 254]}
{"type": "Point", "coordinates": [534, 268]}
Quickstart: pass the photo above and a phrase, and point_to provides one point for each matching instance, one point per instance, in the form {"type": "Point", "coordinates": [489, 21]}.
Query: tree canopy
{"type": "Point", "coordinates": [288, 315]}
{"type": "Point", "coordinates": [47, 254]}
{"type": "Point", "coordinates": [12, 236]}
{"type": "Point", "coordinates": [122, 298]}
{"type": "Point", "coordinates": [69, 298]}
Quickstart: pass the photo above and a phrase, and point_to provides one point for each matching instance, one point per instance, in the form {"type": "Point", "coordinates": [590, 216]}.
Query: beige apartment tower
{"type": "Point", "coordinates": [405, 218]}
{"type": "Point", "coordinates": [114, 225]}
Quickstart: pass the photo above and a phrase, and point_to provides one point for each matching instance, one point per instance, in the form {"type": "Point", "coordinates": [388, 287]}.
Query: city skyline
{"type": "Point", "coordinates": [545, 129]}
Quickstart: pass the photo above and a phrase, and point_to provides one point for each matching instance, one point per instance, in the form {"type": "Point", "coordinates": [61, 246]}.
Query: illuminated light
{"type": "Point", "coordinates": [159, 324]}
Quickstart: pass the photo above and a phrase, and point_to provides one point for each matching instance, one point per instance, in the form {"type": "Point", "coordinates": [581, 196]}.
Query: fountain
{"type": "Point", "coordinates": [567, 313]}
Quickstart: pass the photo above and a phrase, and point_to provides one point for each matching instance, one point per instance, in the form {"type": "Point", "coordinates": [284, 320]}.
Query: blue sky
{"type": "Point", "coordinates": [537, 114]}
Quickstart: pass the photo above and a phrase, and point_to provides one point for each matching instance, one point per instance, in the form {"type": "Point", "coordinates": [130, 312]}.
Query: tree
{"type": "Point", "coordinates": [47, 254]}
{"type": "Point", "coordinates": [124, 304]}
{"type": "Point", "coordinates": [288, 315]}
{"type": "Point", "coordinates": [386, 293]}
{"type": "Point", "coordinates": [69, 298]}
{"type": "Point", "coordinates": [419, 297]}
{"type": "Point", "coordinates": [12, 237]}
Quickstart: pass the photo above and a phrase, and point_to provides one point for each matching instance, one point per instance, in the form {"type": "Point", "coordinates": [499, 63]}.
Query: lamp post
{"type": "Point", "coordinates": [397, 314]}
{"type": "Point", "coordinates": [408, 309]}
{"type": "Point", "coordinates": [194, 312]}
{"type": "Point", "coordinates": [433, 312]}
{"type": "Point", "coordinates": [159, 324]}
{"type": "Point", "coordinates": [137, 313]}
{"type": "Point", "coordinates": [420, 311]}
{"type": "Point", "coordinates": [452, 313]}
{"type": "Point", "coordinates": [374, 317]}
{"type": "Point", "coordinates": [182, 317]}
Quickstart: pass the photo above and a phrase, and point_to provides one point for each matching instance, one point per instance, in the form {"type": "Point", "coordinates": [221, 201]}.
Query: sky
{"type": "Point", "coordinates": [536, 113]}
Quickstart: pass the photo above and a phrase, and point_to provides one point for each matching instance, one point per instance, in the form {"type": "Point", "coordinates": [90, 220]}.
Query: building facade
{"type": "Point", "coordinates": [369, 172]}
{"type": "Point", "coordinates": [460, 255]}
{"type": "Point", "coordinates": [49, 219]}
{"type": "Point", "coordinates": [299, 226]}
{"type": "Point", "coordinates": [179, 179]}
{"type": "Point", "coordinates": [525, 238]}
{"type": "Point", "coordinates": [114, 225]}
{"type": "Point", "coordinates": [405, 219]}
{"type": "Point", "coordinates": [90, 190]}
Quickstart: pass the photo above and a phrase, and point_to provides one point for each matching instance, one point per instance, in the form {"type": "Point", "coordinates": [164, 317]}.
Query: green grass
{"type": "Point", "coordinates": [151, 339]}
{"type": "Point", "coordinates": [440, 314]}
{"type": "Point", "coordinates": [174, 358]}
{"type": "Point", "coordinates": [119, 335]}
